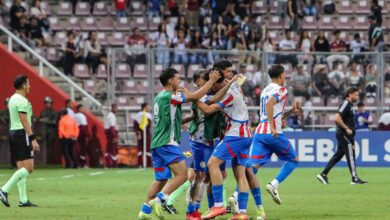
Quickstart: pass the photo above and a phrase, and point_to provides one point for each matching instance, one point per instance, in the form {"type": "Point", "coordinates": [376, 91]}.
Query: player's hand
{"type": "Point", "coordinates": [214, 76]}
{"type": "Point", "coordinates": [182, 89]}
{"type": "Point", "coordinates": [274, 132]}
{"type": "Point", "coordinates": [349, 131]}
{"type": "Point", "coordinates": [297, 107]}
{"type": "Point", "coordinates": [35, 145]}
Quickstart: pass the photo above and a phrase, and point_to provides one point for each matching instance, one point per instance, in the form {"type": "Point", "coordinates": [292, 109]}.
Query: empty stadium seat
{"type": "Point", "coordinates": [137, 8]}
{"type": "Point", "coordinates": [371, 101]}
{"type": "Point", "coordinates": [52, 54]}
{"type": "Point", "coordinates": [143, 87]}
{"type": "Point", "coordinates": [361, 23]}
{"type": "Point", "coordinates": [81, 71]}
{"type": "Point", "coordinates": [122, 71]}
{"type": "Point", "coordinates": [73, 24]}
{"type": "Point", "coordinates": [89, 86]}
{"type": "Point", "coordinates": [140, 71]}
{"type": "Point", "coordinates": [317, 101]}
{"type": "Point", "coordinates": [345, 7]}
{"type": "Point", "coordinates": [122, 24]}
{"type": "Point", "coordinates": [89, 24]}
{"type": "Point", "coordinates": [362, 7]}
{"type": "Point", "coordinates": [157, 70]}
{"type": "Point", "coordinates": [122, 101]}
{"type": "Point", "coordinates": [45, 7]}
{"type": "Point", "coordinates": [326, 23]}
{"type": "Point", "coordinates": [102, 72]}
{"type": "Point", "coordinates": [344, 22]}
{"type": "Point", "coordinates": [180, 69]}
{"type": "Point", "coordinates": [334, 101]}
{"type": "Point", "coordinates": [64, 9]}
{"type": "Point", "coordinates": [106, 24]}
{"type": "Point", "coordinates": [100, 8]}
{"type": "Point", "coordinates": [153, 25]}
{"type": "Point", "coordinates": [141, 23]}
{"type": "Point", "coordinates": [55, 24]}
{"type": "Point", "coordinates": [274, 6]}
{"type": "Point", "coordinates": [192, 68]}
{"type": "Point", "coordinates": [275, 22]}
{"type": "Point", "coordinates": [59, 38]}
{"type": "Point", "coordinates": [128, 87]}
{"type": "Point", "coordinates": [117, 39]}
{"type": "Point", "coordinates": [102, 38]}
{"type": "Point", "coordinates": [309, 22]}
{"type": "Point", "coordinates": [259, 7]}
{"type": "Point", "coordinates": [82, 8]}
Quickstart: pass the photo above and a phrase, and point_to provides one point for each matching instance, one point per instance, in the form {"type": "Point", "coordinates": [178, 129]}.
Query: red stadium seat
{"type": "Point", "coordinates": [81, 71]}
{"type": "Point", "coordinates": [326, 23]}
{"type": "Point", "coordinates": [128, 87]}
{"type": "Point", "coordinates": [46, 7]}
{"type": "Point", "coordinates": [309, 23]}
{"type": "Point", "coordinates": [259, 7]}
{"type": "Point", "coordinates": [102, 38]}
{"type": "Point", "coordinates": [83, 8]}
{"type": "Point", "coordinates": [64, 9]}
{"type": "Point", "coordinates": [59, 38]}
{"type": "Point", "coordinates": [344, 22]}
{"type": "Point", "coordinates": [122, 101]}
{"type": "Point", "coordinates": [89, 24]}
{"type": "Point", "coordinates": [141, 23]}
{"type": "Point", "coordinates": [137, 8]}
{"type": "Point", "coordinates": [123, 24]}
{"type": "Point", "coordinates": [52, 54]}
{"type": "Point", "coordinates": [180, 69]}
{"type": "Point", "coordinates": [371, 101]}
{"type": "Point", "coordinates": [89, 86]}
{"type": "Point", "coordinates": [143, 87]}
{"type": "Point", "coordinates": [361, 23]}
{"type": "Point", "coordinates": [344, 7]}
{"type": "Point", "coordinates": [73, 24]}
{"type": "Point", "coordinates": [117, 39]}
{"type": "Point", "coordinates": [102, 72]}
{"type": "Point", "coordinates": [153, 25]}
{"type": "Point", "coordinates": [122, 71]}
{"type": "Point", "coordinates": [274, 7]}
{"type": "Point", "coordinates": [362, 7]}
{"type": "Point", "coordinates": [55, 24]}
{"type": "Point", "coordinates": [140, 71]}
{"type": "Point", "coordinates": [275, 23]}
{"type": "Point", "coordinates": [157, 70]}
{"type": "Point", "coordinates": [329, 120]}
{"type": "Point", "coordinates": [106, 24]}
{"type": "Point", "coordinates": [100, 8]}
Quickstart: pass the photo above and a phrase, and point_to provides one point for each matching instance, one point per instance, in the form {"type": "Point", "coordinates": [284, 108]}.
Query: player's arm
{"type": "Point", "coordinates": [190, 97]}
{"type": "Point", "coordinates": [221, 93]}
{"type": "Point", "coordinates": [187, 119]}
{"type": "Point", "coordinates": [28, 130]}
{"type": "Point", "coordinates": [208, 109]}
{"type": "Point", "coordinates": [339, 121]}
{"type": "Point", "coordinates": [269, 108]}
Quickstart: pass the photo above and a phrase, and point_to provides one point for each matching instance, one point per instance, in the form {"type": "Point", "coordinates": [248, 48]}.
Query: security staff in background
{"type": "Point", "coordinates": [48, 125]}
{"type": "Point", "coordinates": [4, 124]}
{"type": "Point", "coordinates": [345, 121]}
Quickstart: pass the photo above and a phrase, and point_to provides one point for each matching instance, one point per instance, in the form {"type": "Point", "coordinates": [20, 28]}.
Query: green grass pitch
{"type": "Point", "coordinates": [119, 193]}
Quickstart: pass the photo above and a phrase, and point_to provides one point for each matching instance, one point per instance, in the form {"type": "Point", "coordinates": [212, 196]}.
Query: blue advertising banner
{"type": "Point", "coordinates": [315, 149]}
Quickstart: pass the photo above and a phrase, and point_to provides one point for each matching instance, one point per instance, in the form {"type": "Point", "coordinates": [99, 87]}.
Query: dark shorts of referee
{"type": "Point", "coordinates": [21, 148]}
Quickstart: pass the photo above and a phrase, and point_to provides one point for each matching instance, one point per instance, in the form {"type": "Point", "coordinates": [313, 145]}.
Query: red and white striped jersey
{"type": "Point", "coordinates": [280, 94]}
{"type": "Point", "coordinates": [236, 112]}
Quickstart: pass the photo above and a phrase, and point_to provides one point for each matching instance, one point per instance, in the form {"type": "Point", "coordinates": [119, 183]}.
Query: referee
{"type": "Point", "coordinates": [345, 121]}
{"type": "Point", "coordinates": [22, 141]}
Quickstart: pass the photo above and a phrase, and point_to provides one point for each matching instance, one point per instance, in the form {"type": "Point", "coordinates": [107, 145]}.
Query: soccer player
{"type": "Point", "coordinates": [166, 154]}
{"type": "Point", "coordinates": [234, 147]}
{"type": "Point", "coordinates": [345, 134]}
{"type": "Point", "coordinates": [23, 141]}
{"type": "Point", "coordinates": [269, 137]}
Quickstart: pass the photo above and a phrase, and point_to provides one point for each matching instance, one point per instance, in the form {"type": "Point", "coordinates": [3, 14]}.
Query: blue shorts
{"type": "Point", "coordinates": [235, 149]}
{"type": "Point", "coordinates": [201, 154]}
{"type": "Point", "coordinates": [264, 145]}
{"type": "Point", "coordinates": [164, 156]}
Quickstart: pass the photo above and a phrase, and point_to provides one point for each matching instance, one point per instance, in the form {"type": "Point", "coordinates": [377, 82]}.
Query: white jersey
{"type": "Point", "coordinates": [280, 94]}
{"type": "Point", "coordinates": [81, 119]}
{"type": "Point", "coordinates": [110, 121]}
{"type": "Point", "coordinates": [236, 112]}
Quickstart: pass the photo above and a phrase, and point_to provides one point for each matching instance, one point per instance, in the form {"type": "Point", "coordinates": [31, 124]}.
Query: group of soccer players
{"type": "Point", "coordinates": [220, 132]}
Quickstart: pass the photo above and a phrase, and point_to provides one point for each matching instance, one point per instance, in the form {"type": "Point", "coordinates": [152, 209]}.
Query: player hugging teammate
{"type": "Point", "coordinates": [218, 93]}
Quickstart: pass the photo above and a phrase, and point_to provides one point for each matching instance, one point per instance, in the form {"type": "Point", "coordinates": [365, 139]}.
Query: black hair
{"type": "Point", "coordinates": [79, 106]}
{"type": "Point", "coordinates": [356, 36]}
{"type": "Point", "coordinates": [67, 101]}
{"type": "Point", "coordinates": [351, 90]}
{"type": "Point", "coordinates": [360, 104]}
{"type": "Point", "coordinates": [199, 74]}
{"type": "Point", "coordinates": [275, 71]}
{"type": "Point", "coordinates": [207, 75]}
{"type": "Point", "coordinates": [113, 105]}
{"type": "Point", "coordinates": [19, 81]}
{"type": "Point", "coordinates": [336, 32]}
{"type": "Point", "coordinates": [143, 106]}
{"type": "Point", "coordinates": [166, 75]}
{"type": "Point", "coordinates": [69, 33]}
{"type": "Point", "coordinates": [223, 64]}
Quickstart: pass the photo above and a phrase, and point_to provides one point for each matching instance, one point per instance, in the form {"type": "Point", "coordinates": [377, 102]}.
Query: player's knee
{"type": "Point", "coordinates": [296, 159]}
{"type": "Point", "coordinates": [224, 174]}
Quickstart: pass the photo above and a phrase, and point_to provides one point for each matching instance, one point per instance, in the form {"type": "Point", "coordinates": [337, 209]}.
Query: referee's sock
{"type": "Point", "coordinates": [18, 175]}
{"type": "Point", "coordinates": [285, 171]}
{"type": "Point", "coordinates": [22, 190]}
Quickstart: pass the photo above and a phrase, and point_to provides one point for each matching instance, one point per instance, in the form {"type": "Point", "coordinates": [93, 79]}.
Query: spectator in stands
{"type": "Point", "coordinates": [287, 45]}
{"type": "Point", "coordinates": [161, 41]}
{"type": "Point", "coordinates": [154, 8]}
{"type": "Point", "coordinates": [39, 13]}
{"type": "Point", "coordinates": [336, 47]}
{"type": "Point", "coordinates": [84, 135]}
{"type": "Point", "coordinates": [221, 28]}
{"type": "Point", "coordinates": [182, 25]}
{"type": "Point", "coordinates": [205, 27]}
{"type": "Point", "coordinates": [354, 77]}
{"type": "Point", "coordinates": [196, 43]}
{"type": "Point", "coordinates": [135, 49]}
{"type": "Point", "coordinates": [91, 3]}
{"type": "Point", "coordinates": [17, 13]}
{"type": "Point", "coordinates": [244, 30]}
{"type": "Point", "coordinates": [269, 47]}
{"type": "Point", "coordinates": [294, 121]}
{"type": "Point", "coordinates": [4, 12]}
{"type": "Point", "coordinates": [307, 114]}
{"type": "Point", "coordinates": [357, 46]}
{"type": "Point", "coordinates": [218, 7]}
{"type": "Point", "coordinates": [371, 78]}
{"type": "Point", "coordinates": [322, 85]}
{"type": "Point", "coordinates": [34, 33]}
{"type": "Point", "coordinates": [384, 122]}
{"type": "Point", "coordinates": [282, 8]}
{"type": "Point", "coordinates": [294, 14]}
{"type": "Point", "coordinates": [111, 130]}
{"type": "Point", "coordinates": [309, 7]}
{"type": "Point", "coordinates": [375, 35]}
{"type": "Point", "coordinates": [242, 7]}
{"type": "Point", "coordinates": [376, 10]}
{"type": "Point", "coordinates": [173, 8]}
{"type": "Point", "coordinates": [363, 118]}
{"type": "Point", "coordinates": [142, 123]}
{"type": "Point", "coordinates": [68, 108]}
{"type": "Point", "coordinates": [213, 43]}
{"type": "Point", "coordinates": [304, 45]}
{"type": "Point", "coordinates": [192, 12]}
{"type": "Point", "coordinates": [180, 44]}
{"type": "Point", "coordinates": [92, 51]}
{"type": "Point", "coordinates": [337, 77]}
{"type": "Point", "coordinates": [300, 81]}
{"type": "Point", "coordinates": [68, 133]}
{"type": "Point", "coordinates": [121, 8]}
{"type": "Point", "coordinates": [321, 44]}
{"type": "Point", "coordinates": [71, 54]}
{"type": "Point", "coordinates": [170, 26]}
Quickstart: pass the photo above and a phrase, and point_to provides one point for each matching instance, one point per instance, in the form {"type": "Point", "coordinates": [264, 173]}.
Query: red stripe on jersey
{"type": "Point", "coordinates": [257, 156]}
{"type": "Point", "coordinates": [159, 169]}
{"type": "Point", "coordinates": [230, 150]}
{"type": "Point", "coordinates": [229, 99]}
{"type": "Point", "coordinates": [247, 130]}
{"type": "Point", "coordinates": [258, 129]}
{"type": "Point", "coordinates": [243, 156]}
{"type": "Point", "coordinates": [265, 128]}
{"type": "Point", "coordinates": [242, 134]}
{"type": "Point", "coordinates": [282, 89]}
{"type": "Point", "coordinates": [175, 102]}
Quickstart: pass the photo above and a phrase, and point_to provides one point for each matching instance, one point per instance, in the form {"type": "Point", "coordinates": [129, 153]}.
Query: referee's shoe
{"type": "Point", "coordinates": [4, 198]}
{"type": "Point", "coordinates": [357, 180]}
{"type": "Point", "coordinates": [27, 204]}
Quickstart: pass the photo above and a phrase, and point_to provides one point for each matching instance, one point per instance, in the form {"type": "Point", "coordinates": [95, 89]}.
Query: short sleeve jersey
{"type": "Point", "coordinates": [167, 118]}
{"type": "Point", "coordinates": [198, 136]}
{"type": "Point", "coordinates": [347, 115]}
{"type": "Point", "coordinates": [280, 94]}
{"type": "Point", "coordinates": [19, 104]}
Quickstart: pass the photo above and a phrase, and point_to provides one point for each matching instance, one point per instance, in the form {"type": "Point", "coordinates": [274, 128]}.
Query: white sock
{"type": "Point", "coordinates": [235, 195]}
{"type": "Point", "coordinates": [202, 189]}
{"type": "Point", "coordinates": [242, 211]}
{"type": "Point", "coordinates": [218, 204]}
{"type": "Point", "coordinates": [275, 183]}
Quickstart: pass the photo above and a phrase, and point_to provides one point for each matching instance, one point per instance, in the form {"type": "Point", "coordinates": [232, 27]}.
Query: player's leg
{"type": "Point", "coordinates": [254, 186]}
{"type": "Point", "coordinates": [178, 192]}
{"type": "Point", "coordinates": [24, 201]}
{"type": "Point", "coordinates": [341, 148]}
{"type": "Point", "coordinates": [350, 155]}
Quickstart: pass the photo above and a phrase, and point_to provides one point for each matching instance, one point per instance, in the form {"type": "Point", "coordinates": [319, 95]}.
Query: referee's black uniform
{"type": "Point", "coordinates": [345, 144]}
